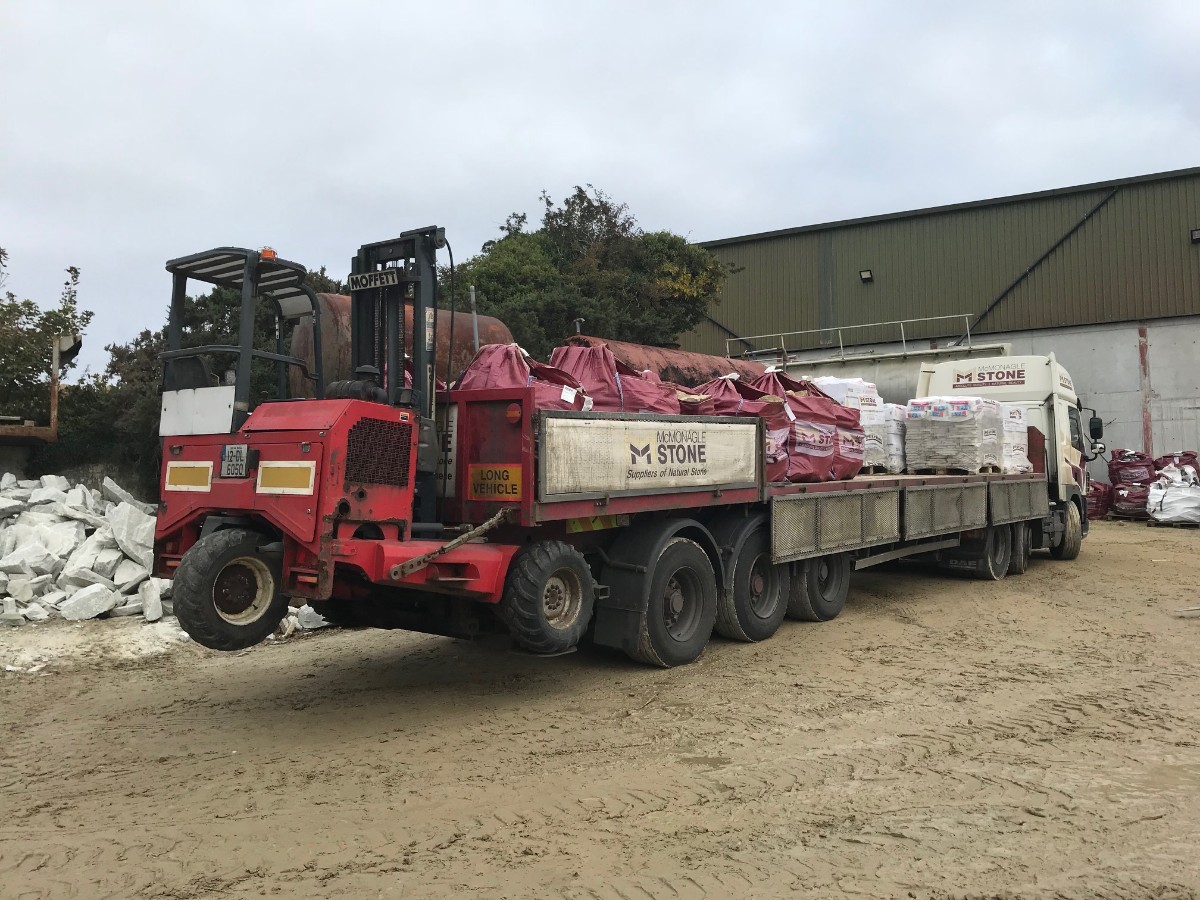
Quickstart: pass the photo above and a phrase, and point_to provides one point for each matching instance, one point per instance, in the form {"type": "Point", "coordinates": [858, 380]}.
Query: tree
{"type": "Point", "coordinates": [26, 336]}
{"type": "Point", "coordinates": [589, 259]}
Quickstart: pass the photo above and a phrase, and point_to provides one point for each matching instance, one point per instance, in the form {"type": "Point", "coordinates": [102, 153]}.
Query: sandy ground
{"type": "Point", "coordinates": [1036, 737]}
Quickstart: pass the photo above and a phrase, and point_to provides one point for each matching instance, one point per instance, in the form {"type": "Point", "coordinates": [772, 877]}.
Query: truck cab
{"type": "Point", "coordinates": [1046, 391]}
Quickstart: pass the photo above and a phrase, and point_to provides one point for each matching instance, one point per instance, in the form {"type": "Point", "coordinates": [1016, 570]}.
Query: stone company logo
{"type": "Point", "coordinates": [672, 454]}
{"type": "Point", "coordinates": [989, 376]}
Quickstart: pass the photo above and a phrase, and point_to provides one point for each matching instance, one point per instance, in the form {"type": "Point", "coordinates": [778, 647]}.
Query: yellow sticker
{"type": "Point", "coordinates": [594, 523]}
{"type": "Point", "coordinates": [493, 482]}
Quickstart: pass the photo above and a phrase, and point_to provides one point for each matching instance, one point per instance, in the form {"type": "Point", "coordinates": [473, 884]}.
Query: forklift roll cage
{"type": "Point", "coordinates": [252, 273]}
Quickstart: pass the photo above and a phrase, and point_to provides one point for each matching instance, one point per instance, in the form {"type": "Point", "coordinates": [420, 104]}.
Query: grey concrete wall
{"type": "Point", "coordinates": [1105, 362]}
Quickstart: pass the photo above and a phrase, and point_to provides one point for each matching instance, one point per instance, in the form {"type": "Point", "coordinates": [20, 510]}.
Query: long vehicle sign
{"type": "Point", "coordinates": [651, 456]}
{"type": "Point", "coordinates": [380, 278]}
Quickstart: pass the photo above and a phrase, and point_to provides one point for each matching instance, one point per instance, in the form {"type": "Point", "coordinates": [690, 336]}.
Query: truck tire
{"type": "Point", "coordinates": [1072, 539]}
{"type": "Point", "coordinates": [997, 554]}
{"type": "Point", "coordinates": [226, 591]}
{"type": "Point", "coordinates": [548, 597]}
{"type": "Point", "coordinates": [1022, 545]}
{"type": "Point", "coordinates": [819, 588]}
{"type": "Point", "coordinates": [756, 599]}
{"type": "Point", "coordinates": [682, 606]}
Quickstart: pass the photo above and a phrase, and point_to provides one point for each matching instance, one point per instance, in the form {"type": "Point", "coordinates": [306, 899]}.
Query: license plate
{"type": "Point", "coordinates": [233, 461]}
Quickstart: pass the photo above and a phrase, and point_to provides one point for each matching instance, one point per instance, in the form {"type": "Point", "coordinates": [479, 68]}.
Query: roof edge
{"type": "Point", "coordinates": [956, 207]}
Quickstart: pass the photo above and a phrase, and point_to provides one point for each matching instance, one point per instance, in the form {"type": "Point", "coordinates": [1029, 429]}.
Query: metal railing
{"type": "Point", "coordinates": [780, 348]}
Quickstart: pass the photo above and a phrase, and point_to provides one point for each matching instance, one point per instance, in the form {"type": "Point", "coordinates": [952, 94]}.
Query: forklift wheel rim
{"type": "Point", "coordinates": [243, 590]}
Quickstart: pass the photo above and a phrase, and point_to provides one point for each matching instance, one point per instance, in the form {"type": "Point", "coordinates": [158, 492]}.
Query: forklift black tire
{"type": "Point", "coordinates": [1071, 542]}
{"type": "Point", "coordinates": [819, 588]}
{"type": "Point", "coordinates": [681, 607]}
{"type": "Point", "coordinates": [548, 597]}
{"type": "Point", "coordinates": [226, 591]}
{"type": "Point", "coordinates": [753, 607]}
{"type": "Point", "coordinates": [1022, 546]}
{"type": "Point", "coordinates": [997, 553]}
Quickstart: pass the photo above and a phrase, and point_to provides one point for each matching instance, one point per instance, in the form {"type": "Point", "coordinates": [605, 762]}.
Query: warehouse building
{"type": "Point", "coordinates": [1106, 276]}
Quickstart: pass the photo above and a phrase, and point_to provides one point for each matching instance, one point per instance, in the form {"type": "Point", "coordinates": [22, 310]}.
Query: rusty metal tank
{"type": "Point", "coordinates": [682, 367]}
{"type": "Point", "coordinates": [335, 341]}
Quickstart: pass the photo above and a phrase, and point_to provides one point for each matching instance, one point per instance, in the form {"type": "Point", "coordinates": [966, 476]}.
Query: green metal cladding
{"type": "Point", "coordinates": [1109, 252]}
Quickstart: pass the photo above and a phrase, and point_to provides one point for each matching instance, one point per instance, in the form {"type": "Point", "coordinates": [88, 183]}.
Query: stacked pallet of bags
{"type": "Point", "coordinates": [1015, 434]}
{"type": "Point", "coordinates": [883, 441]}
{"type": "Point", "coordinates": [508, 366]}
{"type": "Point", "coordinates": [728, 396]}
{"type": "Point", "coordinates": [854, 393]}
{"type": "Point", "coordinates": [1131, 473]}
{"type": "Point", "coordinates": [1174, 498]}
{"type": "Point", "coordinates": [612, 385]}
{"type": "Point", "coordinates": [953, 433]}
{"type": "Point", "coordinates": [1099, 499]}
{"type": "Point", "coordinates": [826, 438]}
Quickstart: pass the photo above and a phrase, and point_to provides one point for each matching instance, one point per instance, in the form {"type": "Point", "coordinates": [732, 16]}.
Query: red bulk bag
{"type": "Point", "coordinates": [827, 438]}
{"type": "Point", "coordinates": [614, 386]}
{"type": "Point", "coordinates": [1130, 467]}
{"type": "Point", "coordinates": [1178, 459]}
{"type": "Point", "coordinates": [1099, 499]}
{"type": "Point", "coordinates": [508, 366]}
{"type": "Point", "coordinates": [1130, 500]}
{"type": "Point", "coordinates": [729, 397]}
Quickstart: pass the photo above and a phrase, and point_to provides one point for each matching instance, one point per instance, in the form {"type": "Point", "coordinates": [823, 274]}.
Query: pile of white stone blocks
{"type": "Point", "coordinates": [76, 553]}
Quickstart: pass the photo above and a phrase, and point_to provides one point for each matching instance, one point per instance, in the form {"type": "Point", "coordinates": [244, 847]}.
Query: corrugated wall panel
{"type": "Point", "coordinates": [1133, 259]}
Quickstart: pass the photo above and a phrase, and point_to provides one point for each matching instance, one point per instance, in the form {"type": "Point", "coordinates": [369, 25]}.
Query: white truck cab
{"type": "Point", "coordinates": [1047, 393]}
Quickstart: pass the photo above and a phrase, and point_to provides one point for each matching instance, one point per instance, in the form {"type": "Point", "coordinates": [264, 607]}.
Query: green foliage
{"type": "Point", "coordinates": [591, 260]}
{"type": "Point", "coordinates": [27, 333]}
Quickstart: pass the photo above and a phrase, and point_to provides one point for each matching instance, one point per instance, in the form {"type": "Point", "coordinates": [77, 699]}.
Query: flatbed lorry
{"type": "Point", "coordinates": [459, 512]}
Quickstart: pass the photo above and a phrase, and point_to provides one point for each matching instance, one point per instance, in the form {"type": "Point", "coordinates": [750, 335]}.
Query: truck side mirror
{"type": "Point", "coordinates": [1098, 449]}
{"type": "Point", "coordinates": [1096, 428]}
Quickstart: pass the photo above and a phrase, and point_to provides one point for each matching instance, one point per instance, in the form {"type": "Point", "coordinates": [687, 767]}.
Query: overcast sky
{"type": "Point", "coordinates": [134, 132]}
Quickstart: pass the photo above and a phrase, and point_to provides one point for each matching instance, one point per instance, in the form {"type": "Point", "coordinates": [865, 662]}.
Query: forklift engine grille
{"type": "Point", "coordinates": [377, 452]}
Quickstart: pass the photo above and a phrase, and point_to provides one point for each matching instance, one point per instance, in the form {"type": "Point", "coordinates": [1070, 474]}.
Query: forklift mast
{"type": "Point", "coordinates": [384, 277]}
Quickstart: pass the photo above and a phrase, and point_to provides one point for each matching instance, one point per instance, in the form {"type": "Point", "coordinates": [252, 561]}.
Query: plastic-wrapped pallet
{"type": "Point", "coordinates": [883, 440]}
{"type": "Point", "coordinates": [953, 433]}
{"type": "Point", "coordinates": [1015, 433]}
{"type": "Point", "coordinates": [853, 393]}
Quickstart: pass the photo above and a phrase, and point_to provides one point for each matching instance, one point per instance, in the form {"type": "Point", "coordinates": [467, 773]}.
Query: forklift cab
{"type": "Point", "coordinates": [195, 399]}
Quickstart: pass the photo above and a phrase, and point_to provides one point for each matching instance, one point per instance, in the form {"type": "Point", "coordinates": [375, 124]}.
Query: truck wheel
{"type": "Point", "coordinates": [819, 588]}
{"type": "Point", "coordinates": [681, 608]}
{"type": "Point", "coordinates": [1021, 542]}
{"type": "Point", "coordinates": [754, 606]}
{"type": "Point", "coordinates": [226, 592]}
{"type": "Point", "coordinates": [548, 597]}
{"type": "Point", "coordinates": [997, 554]}
{"type": "Point", "coordinates": [1071, 542]}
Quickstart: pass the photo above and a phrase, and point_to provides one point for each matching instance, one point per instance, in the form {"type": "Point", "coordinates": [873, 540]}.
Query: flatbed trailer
{"type": "Point", "coordinates": [641, 532]}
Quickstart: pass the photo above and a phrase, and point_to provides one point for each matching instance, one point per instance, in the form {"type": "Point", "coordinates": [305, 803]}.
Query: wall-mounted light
{"type": "Point", "coordinates": [865, 276]}
{"type": "Point", "coordinates": [1196, 235]}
